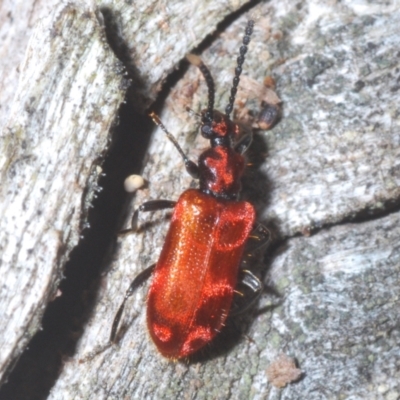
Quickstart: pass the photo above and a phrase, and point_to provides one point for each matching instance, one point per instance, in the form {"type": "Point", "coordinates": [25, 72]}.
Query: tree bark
{"type": "Point", "coordinates": [328, 186]}
{"type": "Point", "coordinates": [51, 148]}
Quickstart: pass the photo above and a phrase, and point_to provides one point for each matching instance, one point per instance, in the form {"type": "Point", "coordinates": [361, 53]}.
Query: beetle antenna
{"type": "Point", "coordinates": [238, 69]}
{"type": "Point", "coordinates": [191, 167]}
{"type": "Point", "coordinates": [207, 118]}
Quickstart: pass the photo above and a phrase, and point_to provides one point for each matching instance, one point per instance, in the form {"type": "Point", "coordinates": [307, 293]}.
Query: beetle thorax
{"type": "Point", "coordinates": [221, 169]}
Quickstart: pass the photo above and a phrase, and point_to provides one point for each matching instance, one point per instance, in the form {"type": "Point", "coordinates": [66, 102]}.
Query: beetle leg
{"type": "Point", "coordinates": [152, 205]}
{"type": "Point", "coordinates": [259, 237]}
{"type": "Point", "coordinates": [139, 280]}
{"type": "Point", "coordinates": [250, 286]}
{"type": "Point", "coordinates": [256, 287]}
{"type": "Point", "coordinates": [244, 143]}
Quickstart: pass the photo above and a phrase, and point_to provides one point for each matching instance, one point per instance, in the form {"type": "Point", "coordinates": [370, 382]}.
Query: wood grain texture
{"type": "Point", "coordinates": [333, 157]}
{"type": "Point", "coordinates": [50, 148]}
{"type": "Point", "coordinates": [57, 132]}
{"type": "Point", "coordinates": [17, 20]}
{"type": "Point", "coordinates": [153, 36]}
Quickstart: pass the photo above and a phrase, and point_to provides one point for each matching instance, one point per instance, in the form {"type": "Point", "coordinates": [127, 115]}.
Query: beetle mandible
{"type": "Point", "coordinates": [196, 275]}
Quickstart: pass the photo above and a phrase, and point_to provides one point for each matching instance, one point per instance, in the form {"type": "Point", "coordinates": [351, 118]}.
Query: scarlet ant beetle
{"type": "Point", "coordinates": [195, 277]}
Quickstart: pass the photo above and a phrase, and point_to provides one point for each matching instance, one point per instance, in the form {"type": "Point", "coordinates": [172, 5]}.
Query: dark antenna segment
{"type": "Point", "coordinates": [238, 69]}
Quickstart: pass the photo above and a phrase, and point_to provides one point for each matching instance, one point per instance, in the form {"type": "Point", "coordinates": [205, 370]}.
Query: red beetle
{"type": "Point", "coordinates": [196, 274]}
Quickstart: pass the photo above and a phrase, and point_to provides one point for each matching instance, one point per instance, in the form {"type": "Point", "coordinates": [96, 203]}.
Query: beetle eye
{"type": "Point", "coordinates": [206, 131]}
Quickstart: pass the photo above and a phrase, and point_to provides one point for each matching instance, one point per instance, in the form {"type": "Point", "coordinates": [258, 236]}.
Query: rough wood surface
{"type": "Point", "coordinates": [153, 36]}
{"type": "Point", "coordinates": [68, 95]}
{"type": "Point", "coordinates": [58, 129]}
{"type": "Point", "coordinates": [17, 19]}
{"type": "Point", "coordinates": [334, 156]}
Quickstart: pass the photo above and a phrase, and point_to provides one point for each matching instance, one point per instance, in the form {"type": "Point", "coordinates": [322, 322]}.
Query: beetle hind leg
{"type": "Point", "coordinates": [138, 281]}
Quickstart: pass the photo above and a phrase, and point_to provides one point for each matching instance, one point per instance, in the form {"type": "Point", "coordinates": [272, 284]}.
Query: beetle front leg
{"type": "Point", "coordinates": [139, 280]}
{"type": "Point", "coordinates": [152, 205]}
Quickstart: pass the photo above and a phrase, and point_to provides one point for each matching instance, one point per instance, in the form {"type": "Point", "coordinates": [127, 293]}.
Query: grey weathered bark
{"type": "Point", "coordinates": [70, 88]}
{"type": "Point", "coordinates": [334, 156]}
{"type": "Point", "coordinates": [17, 19]}
{"type": "Point", "coordinates": [58, 128]}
